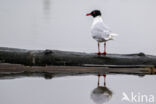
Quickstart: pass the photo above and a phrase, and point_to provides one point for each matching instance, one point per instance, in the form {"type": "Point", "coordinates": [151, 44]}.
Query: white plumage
{"type": "Point", "coordinates": [100, 31]}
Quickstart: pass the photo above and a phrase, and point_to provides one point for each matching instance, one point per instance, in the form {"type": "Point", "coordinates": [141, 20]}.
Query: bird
{"type": "Point", "coordinates": [100, 31]}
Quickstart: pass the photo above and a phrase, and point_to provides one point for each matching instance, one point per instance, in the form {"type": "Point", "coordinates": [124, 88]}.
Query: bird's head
{"type": "Point", "coordinates": [94, 13]}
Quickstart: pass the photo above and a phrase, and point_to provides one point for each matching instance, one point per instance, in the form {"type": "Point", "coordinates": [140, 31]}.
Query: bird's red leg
{"type": "Point", "coordinates": [104, 79]}
{"type": "Point", "coordinates": [104, 48]}
{"type": "Point", "coordinates": [98, 49]}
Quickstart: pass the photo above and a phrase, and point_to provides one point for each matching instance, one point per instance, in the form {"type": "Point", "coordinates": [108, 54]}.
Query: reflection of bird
{"type": "Point", "coordinates": [99, 30]}
{"type": "Point", "coordinates": [101, 94]}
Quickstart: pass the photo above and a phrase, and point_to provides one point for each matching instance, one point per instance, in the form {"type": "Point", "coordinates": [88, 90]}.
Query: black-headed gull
{"type": "Point", "coordinates": [100, 31]}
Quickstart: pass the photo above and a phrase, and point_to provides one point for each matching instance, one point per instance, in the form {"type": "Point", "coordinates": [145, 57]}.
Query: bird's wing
{"type": "Point", "coordinates": [100, 30]}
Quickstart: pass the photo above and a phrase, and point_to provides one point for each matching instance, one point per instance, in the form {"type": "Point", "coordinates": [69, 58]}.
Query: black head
{"type": "Point", "coordinates": [94, 13]}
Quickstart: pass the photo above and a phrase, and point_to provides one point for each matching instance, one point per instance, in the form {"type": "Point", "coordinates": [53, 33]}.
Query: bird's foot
{"type": "Point", "coordinates": [104, 53]}
{"type": "Point", "coordinates": [98, 53]}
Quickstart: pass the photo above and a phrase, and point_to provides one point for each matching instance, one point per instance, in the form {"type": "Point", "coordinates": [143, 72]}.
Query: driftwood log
{"type": "Point", "coordinates": [16, 63]}
{"type": "Point", "coordinates": [64, 58]}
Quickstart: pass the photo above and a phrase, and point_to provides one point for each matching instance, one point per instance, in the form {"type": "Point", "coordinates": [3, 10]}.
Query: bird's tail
{"type": "Point", "coordinates": [112, 35]}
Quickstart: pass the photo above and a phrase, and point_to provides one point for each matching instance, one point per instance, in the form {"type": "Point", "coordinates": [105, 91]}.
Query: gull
{"type": "Point", "coordinates": [100, 31]}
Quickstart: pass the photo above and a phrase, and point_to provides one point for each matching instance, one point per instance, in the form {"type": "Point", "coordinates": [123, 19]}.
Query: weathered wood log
{"type": "Point", "coordinates": [64, 58]}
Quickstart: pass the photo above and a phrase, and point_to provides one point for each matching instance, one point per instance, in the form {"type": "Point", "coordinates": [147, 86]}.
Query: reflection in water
{"type": "Point", "coordinates": [101, 94]}
{"type": "Point", "coordinates": [46, 8]}
{"type": "Point", "coordinates": [46, 5]}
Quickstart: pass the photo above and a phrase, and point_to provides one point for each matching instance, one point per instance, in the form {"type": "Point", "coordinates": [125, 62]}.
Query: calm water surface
{"type": "Point", "coordinates": [75, 89]}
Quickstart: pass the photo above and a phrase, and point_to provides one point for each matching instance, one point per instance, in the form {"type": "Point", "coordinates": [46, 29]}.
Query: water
{"type": "Point", "coordinates": [62, 25]}
{"type": "Point", "coordinates": [73, 89]}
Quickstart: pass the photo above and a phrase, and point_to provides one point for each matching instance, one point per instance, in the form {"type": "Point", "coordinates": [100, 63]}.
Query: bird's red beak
{"type": "Point", "coordinates": [88, 14]}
